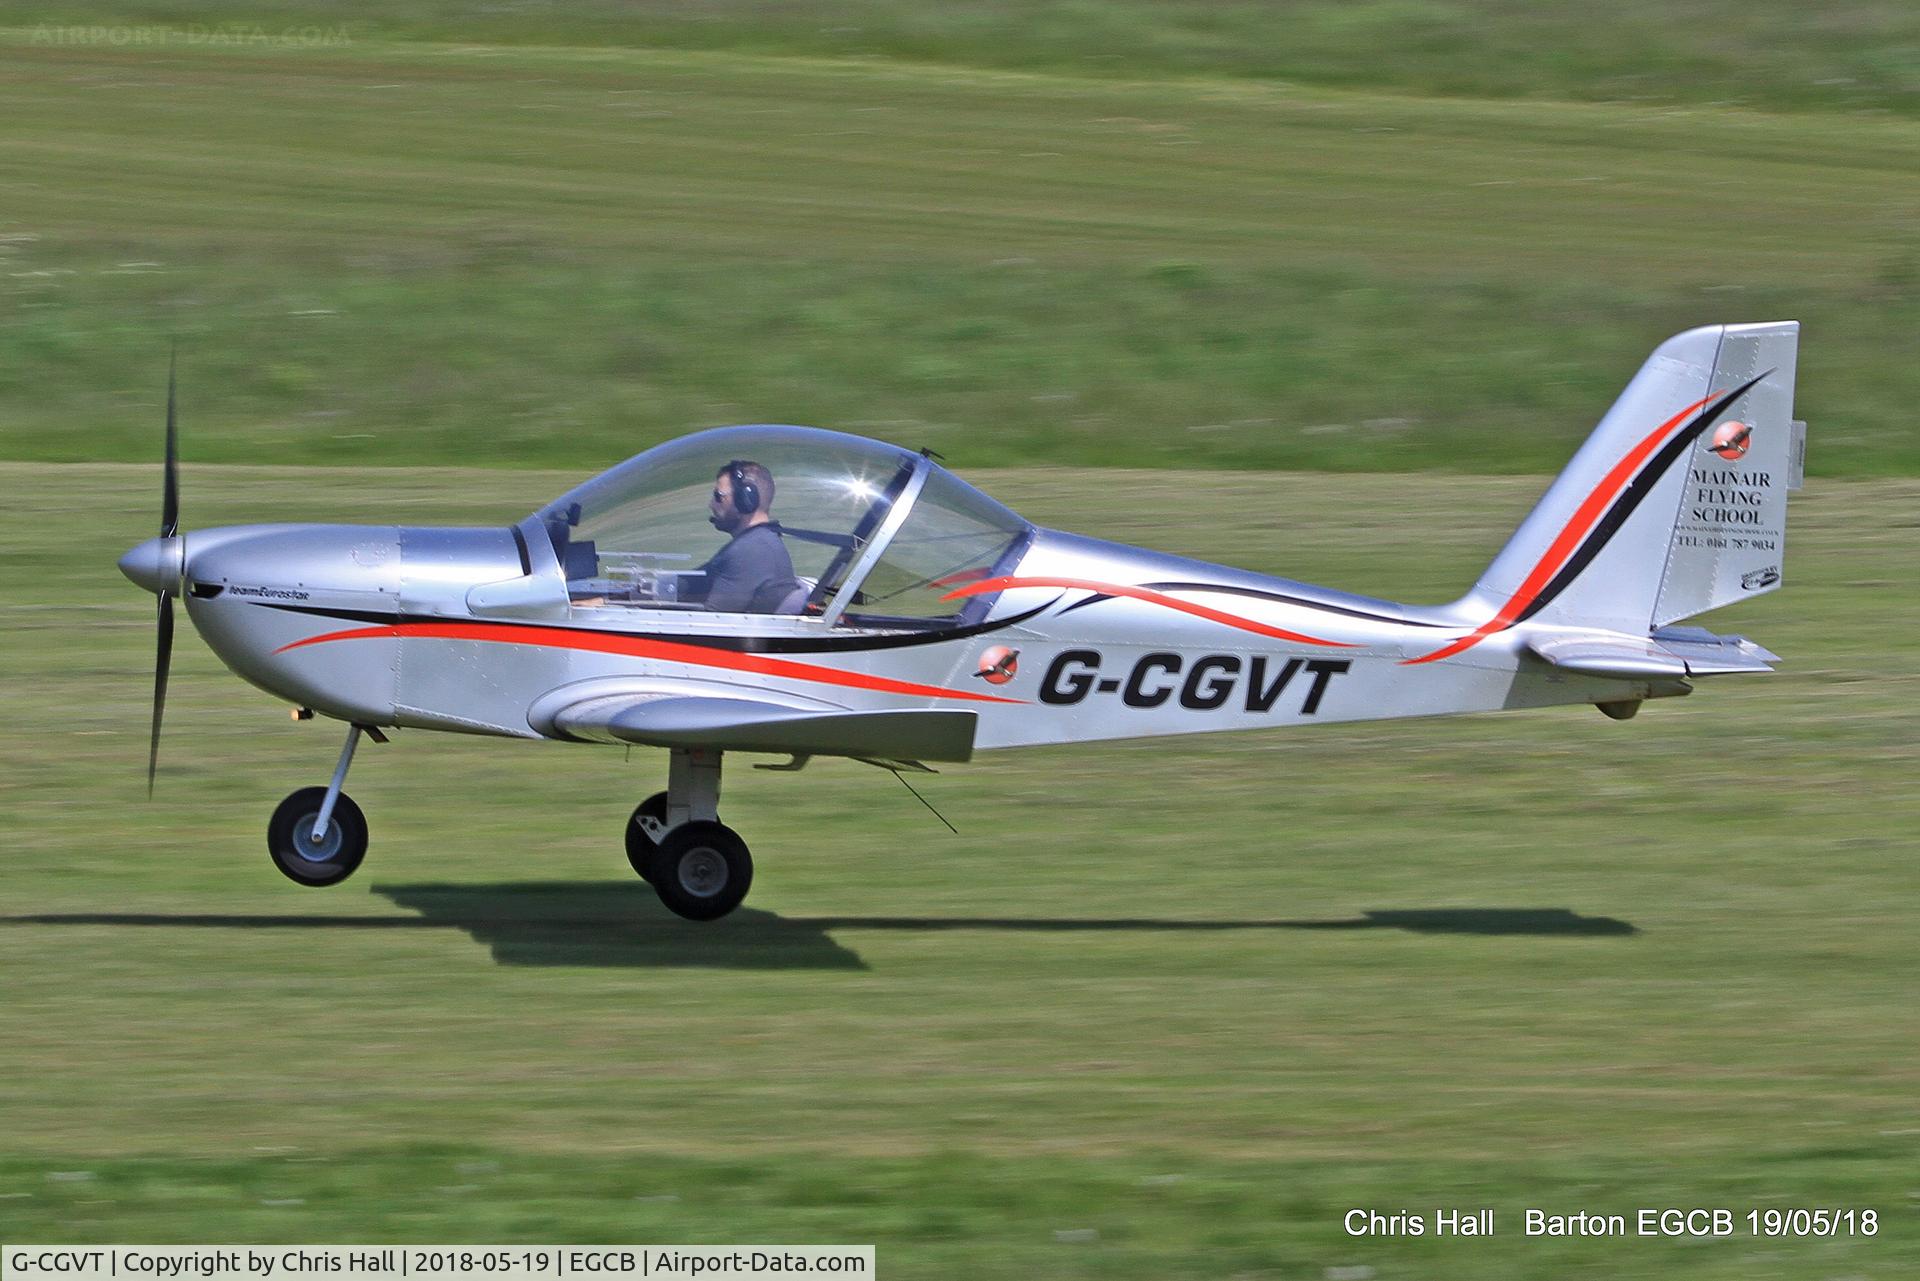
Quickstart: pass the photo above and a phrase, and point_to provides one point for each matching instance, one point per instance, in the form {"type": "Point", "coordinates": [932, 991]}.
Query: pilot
{"type": "Point", "coordinates": [752, 574]}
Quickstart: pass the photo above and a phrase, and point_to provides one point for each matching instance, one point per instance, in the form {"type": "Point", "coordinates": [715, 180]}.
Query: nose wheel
{"type": "Point", "coordinates": [326, 859]}
{"type": "Point", "coordinates": [318, 835]}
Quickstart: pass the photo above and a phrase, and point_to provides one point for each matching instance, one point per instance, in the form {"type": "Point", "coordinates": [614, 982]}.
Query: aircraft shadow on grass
{"type": "Point", "coordinates": [616, 923]}
{"type": "Point", "coordinates": [620, 924]}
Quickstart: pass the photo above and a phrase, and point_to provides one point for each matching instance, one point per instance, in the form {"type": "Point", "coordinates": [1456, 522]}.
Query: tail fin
{"type": "Point", "coordinates": [1676, 504]}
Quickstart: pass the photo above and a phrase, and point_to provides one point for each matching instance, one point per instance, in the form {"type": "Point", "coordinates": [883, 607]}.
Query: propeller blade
{"type": "Point", "coordinates": [169, 528]}
{"type": "Point", "coordinates": [170, 494]}
{"type": "Point", "coordinates": [163, 658]}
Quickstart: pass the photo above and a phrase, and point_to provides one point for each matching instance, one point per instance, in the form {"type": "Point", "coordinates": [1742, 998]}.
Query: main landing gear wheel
{"type": "Point", "coordinates": [701, 870]}
{"type": "Point", "coordinates": [328, 860]}
{"type": "Point", "coordinates": [640, 846]}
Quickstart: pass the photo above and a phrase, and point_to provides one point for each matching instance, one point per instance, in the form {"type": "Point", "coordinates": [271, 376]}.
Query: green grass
{"type": "Point", "coordinates": [1199, 997]}
{"type": "Point", "coordinates": [1850, 55]}
{"type": "Point", "coordinates": [1161, 1009]}
{"type": "Point", "coordinates": [404, 252]}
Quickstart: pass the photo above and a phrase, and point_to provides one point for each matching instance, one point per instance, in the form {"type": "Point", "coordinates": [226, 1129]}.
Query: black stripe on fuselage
{"type": "Point", "coordinates": [1255, 593]}
{"type": "Point", "coordinates": [738, 644]}
{"type": "Point", "coordinates": [1631, 498]}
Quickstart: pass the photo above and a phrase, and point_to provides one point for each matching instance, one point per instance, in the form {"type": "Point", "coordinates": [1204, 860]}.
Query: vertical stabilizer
{"type": "Point", "coordinates": [1674, 505]}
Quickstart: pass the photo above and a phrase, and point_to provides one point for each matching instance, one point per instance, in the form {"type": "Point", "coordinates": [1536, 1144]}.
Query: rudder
{"type": "Point", "coordinates": [1730, 532]}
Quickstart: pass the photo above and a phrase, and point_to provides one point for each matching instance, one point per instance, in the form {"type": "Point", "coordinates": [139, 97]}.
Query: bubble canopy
{"type": "Point", "coordinates": [877, 534]}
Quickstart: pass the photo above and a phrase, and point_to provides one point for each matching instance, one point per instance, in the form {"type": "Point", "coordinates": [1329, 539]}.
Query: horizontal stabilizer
{"type": "Point", "coordinates": [1673, 653]}
{"type": "Point", "coordinates": [750, 725]}
{"type": "Point", "coordinates": [1710, 655]}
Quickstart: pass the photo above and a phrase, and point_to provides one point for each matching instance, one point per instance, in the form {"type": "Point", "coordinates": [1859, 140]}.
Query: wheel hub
{"type": "Point", "coordinates": [702, 872]}
{"type": "Point", "coordinates": [319, 851]}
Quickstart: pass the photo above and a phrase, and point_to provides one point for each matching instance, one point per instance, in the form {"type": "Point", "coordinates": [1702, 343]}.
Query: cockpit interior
{"type": "Point", "coordinates": [877, 535]}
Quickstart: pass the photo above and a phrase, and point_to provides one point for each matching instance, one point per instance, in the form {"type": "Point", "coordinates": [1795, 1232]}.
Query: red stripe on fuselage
{"type": "Point", "coordinates": [1568, 541]}
{"type": "Point", "coordinates": [647, 647]}
{"type": "Point", "coordinates": [1152, 598]}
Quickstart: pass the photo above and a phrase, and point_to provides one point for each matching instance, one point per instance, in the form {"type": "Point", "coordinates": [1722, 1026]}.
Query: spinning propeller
{"type": "Point", "coordinates": [157, 565]}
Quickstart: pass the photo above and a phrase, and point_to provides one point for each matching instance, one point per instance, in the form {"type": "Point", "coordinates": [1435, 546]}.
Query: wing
{"type": "Point", "coordinates": [753, 725]}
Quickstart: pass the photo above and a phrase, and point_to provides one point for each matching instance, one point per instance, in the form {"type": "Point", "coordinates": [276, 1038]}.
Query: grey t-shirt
{"type": "Point", "coordinates": [751, 574]}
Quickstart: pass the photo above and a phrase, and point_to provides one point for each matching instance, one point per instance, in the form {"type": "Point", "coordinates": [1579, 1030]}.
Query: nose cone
{"type": "Point", "coordinates": [156, 564]}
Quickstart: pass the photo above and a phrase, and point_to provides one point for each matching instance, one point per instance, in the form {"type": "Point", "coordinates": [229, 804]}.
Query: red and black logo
{"type": "Point", "coordinates": [998, 665]}
{"type": "Point", "coordinates": [1731, 439]}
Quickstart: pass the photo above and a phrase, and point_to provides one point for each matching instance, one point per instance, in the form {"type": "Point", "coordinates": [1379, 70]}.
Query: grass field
{"type": "Point", "coordinates": [1160, 1009]}
{"type": "Point", "coordinates": [1847, 55]}
{"type": "Point", "coordinates": [415, 251]}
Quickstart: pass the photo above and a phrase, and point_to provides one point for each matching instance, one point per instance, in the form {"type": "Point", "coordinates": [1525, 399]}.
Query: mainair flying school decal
{"type": "Point", "coordinates": [1733, 506]}
{"type": "Point", "coordinates": [799, 593]}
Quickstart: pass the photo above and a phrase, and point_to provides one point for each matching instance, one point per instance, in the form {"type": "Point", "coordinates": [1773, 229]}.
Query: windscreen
{"type": "Point", "coordinates": [953, 535]}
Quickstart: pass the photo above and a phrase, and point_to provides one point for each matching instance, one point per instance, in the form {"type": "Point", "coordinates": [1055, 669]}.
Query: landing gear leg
{"type": "Point", "coordinates": [332, 797]}
{"type": "Point", "coordinates": [318, 835]}
{"type": "Point", "coordinates": [693, 786]}
{"type": "Point", "coordinates": [699, 867]}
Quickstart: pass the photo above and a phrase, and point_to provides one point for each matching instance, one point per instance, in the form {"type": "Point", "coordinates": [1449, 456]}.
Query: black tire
{"type": "Point", "coordinates": [640, 846]}
{"type": "Point", "coordinates": [290, 838]}
{"type": "Point", "coordinates": [702, 870]}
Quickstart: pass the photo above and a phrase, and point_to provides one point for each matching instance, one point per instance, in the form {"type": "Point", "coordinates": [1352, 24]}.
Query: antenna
{"type": "Point", "coordinates": [923, 800]}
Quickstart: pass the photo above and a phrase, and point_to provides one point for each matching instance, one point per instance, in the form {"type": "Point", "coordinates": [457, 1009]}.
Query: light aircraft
{"type": "Point", "coordinates": [919, 620]}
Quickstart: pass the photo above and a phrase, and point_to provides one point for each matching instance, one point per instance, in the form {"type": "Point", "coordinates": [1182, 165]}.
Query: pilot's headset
{"type": "Point", "coordinates": [746, 494]}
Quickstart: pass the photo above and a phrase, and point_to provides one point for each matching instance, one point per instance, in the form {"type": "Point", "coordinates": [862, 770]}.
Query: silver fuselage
{"type": "Point", "coordinates": [471, 630]}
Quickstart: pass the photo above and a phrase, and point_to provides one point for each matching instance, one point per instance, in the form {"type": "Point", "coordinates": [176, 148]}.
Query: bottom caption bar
{"type": "Point", "coordinates": [426, 1262]}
